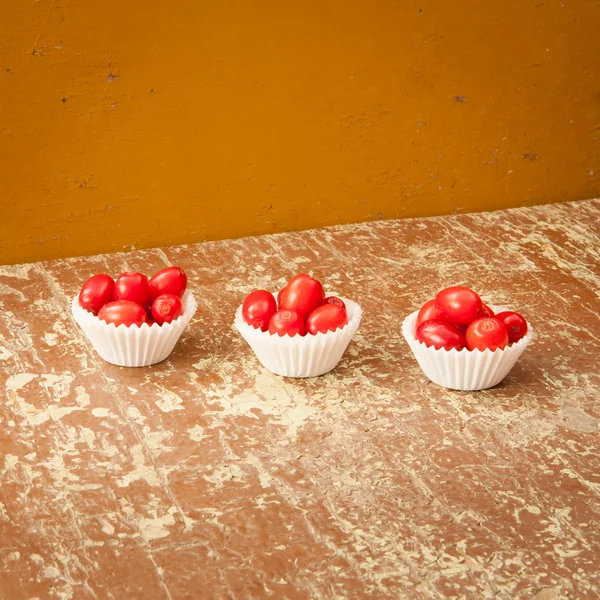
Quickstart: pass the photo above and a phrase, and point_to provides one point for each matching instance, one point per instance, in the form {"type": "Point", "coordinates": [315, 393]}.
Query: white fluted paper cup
{"type": "Point", "coordinates": [133, 346]}
{"type": "Point", "coordinates": [301, 356]}
{"type": "Point", "coordinates": [465, 370]}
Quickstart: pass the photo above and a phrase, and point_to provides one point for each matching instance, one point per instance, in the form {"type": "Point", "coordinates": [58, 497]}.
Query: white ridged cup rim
{"type": "Point", "coordinates": [133, 345]}
{"type": "Point", "coordinates": [455, 361]}
{"type": "Point", "coordinates": [301, 356]}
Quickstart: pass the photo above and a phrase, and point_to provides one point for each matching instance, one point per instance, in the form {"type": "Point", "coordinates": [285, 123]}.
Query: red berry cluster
{"type": "Point", "coordinates": [301, 308]}
{"type": "Point", "coordinates": [457, 318]}
{"type": "Point", "coordinates": [133, 299]}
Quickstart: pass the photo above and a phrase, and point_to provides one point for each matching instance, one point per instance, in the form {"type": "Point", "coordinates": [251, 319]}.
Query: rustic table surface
{"type": "Point", "coordinates": [208, 477]}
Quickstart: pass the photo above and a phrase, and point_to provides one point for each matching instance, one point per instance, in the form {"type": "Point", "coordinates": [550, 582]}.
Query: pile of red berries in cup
{"type": "Point", "coordinates": [301, 307]}
{"type": "Point", "coordinates": [457, 318]}
{"type": "Point", "coordinates": [133, 299]}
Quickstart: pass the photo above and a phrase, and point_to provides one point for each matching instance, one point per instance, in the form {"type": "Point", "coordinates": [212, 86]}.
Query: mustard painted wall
{"type": "Point", "coordinates": [143, 123]}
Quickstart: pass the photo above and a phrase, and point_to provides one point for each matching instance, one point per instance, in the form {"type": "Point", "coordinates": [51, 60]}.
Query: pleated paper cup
{"type": "Point", "coordinates": [464, 369]}
{"type": "Point", "coordinates": [133, 346]}
{"type": "Point", "coordinates": [296, 356]}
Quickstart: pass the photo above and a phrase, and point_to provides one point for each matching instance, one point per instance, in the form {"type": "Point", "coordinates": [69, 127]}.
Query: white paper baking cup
{"type": "Point", "coordinates": [296, 356]}
{"type": "Point", "coordinates": [464, 369]}
{"type": "Point", "coordinates": [133, 346]}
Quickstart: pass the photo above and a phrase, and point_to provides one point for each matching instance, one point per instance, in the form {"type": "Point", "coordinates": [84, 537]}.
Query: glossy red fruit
{"type": "Point", "coordinates": [123, 312]}
{"type": "Point", "coordinates": [258, 308]}
{"type": "Point", "coordinates": [428, 311]}
{"type": "Point", "coordinates": [515, 324]}
{"type": "Point", "coordinates": [458, 304]}
{"type": "Point", "coordinates": [440, 334]}
{"type": "Point", "coordinates": [97, 291]}
{"type": "Point", "coordinates": [287, 322]}
{"type": "Point", "coordinates": [487, 332]}
{"type": "Point", "coordinates": [166, 308]}
{"type": "Point", "coordinates": [334, 300]}
{"type": "Point", "coordinates": [279, 297]}
{"type": "Point", "coordinates": [303, 294]}
{"type": "Point", "coordinates": [486, 311]}
{"type": "Point", "coordinates": [133, 287]}
{"type": "Point", "coordinates": [171, 280]}
{"type": "Point", "coordinates": [327, 317]}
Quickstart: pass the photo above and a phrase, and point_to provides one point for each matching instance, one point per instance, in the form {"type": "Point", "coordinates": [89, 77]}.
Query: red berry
{"type": "Point", "coordinates": [133, 287]}
{"type": "Point", "coordinates": [327, 317]}
{"type": "Point", "coordinates": [123, 312]}
{"type": "Point", "coordinates": [166, 308]}
{"type": "Point", "coordinates": [458, 304]}
{"type": "Point", "coordinates": [334, 300]}
{"type": "Point", "coordinates": [303, 294]}
{"type": "Point", "coordinates": [258, 308]}
{"type": "Point", "coordinates": [97, 291]}
{"type": "Point", "coordinates": [171, 280]}
{"type": "Point", "coordinates": [515, 324]}
{"type": "Point", "coordinates": [440, 334]}
{"type": "Point", "coordinates": [287, 322]}
{"type": "Point", "coordinates": [428, 311]}
{"type": "Point", "coordinates": [487, 333]}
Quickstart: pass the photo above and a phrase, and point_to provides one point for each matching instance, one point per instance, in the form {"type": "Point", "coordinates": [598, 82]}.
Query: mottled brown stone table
{"type": "Point", "coordinates": [208, 477]}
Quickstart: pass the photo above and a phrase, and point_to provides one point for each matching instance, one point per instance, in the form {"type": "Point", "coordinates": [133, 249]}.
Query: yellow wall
{"type": "Point", "coordinates": [140, 123]}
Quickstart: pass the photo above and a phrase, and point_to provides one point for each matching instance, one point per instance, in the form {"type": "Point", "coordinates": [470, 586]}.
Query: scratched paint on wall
{"type": "Point", "coordinates": [139, 124]}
